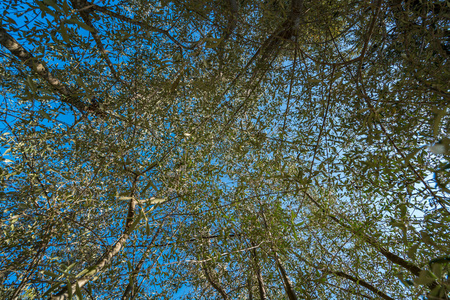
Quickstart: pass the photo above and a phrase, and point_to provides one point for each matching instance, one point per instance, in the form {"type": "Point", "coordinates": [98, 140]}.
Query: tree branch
{"type": "Point", "coordinates": [107, 256]}
{"type": "Point", "coordinates": [29, 60]}
{"type": "Point", "coordinates": [347, 276]}
{"type": "Point", "coordinates": [136, 270]}
{"type": "Point", "coordinates": [362, 283]}
{"type": "Point", "coordinates": [139, 23]}
{"type": "Point", "coordinates": [215, 285]}
{"type": "Point", "coordinates": [84, 9]}
{"type": "Point", "coordinates": [261, 287]}
{"type": "Point", "coordinates": [415, 270]}
{"type": "Point", "coordinates": [287, 283]}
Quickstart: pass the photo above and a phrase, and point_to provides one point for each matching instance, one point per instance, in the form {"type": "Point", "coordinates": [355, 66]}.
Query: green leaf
{"type": "Point", "coordinates": [53, 4]}
{"type": "Point", "coordinates": [69, 289]}
{"type": "Point", "coordinates": [136, 222]}
{"type": "Point", "coordinates": [74, 20]}
{"type": "Point", "coordinates": [78, 292]}
{"type": "Point", "coordinates": [403, 210]}
{"type": "Point", "coordinates": [64, 34]}
{"type": "Point", "coordinates": [89, 288]}
{"type": "Point", "coordinates": [406, 282]}
{"type": "Point", "coordinates": [147, 229]}
{"type": "Point", "coordinates": [412, 251]}
{"type": "Point", "coordinates": [437, 270]}
{"type": "Point", "coordinates": [438, 292]}
{"type": "Point", "coordinates": [149, 184]}
{"type": "Point", "coordinates": [52, 288]}
{"type": "Point", "coordinates": [87, 272]}
{"type": "Point", "coordinates": [426, 238]}
{"type": "Point", "coordinates": [44, 114]}
{"type": "Point", "coordinates": [412, 154]}
{"type": "Point", "coordinates": [70, 267]}
{"type": "Point", "coordinates": [31, 84]}
{"type": "Point", "coordinates": [65, 7]}
{"type": "Point", "coordinates": [50, 273]}
{"type": "Point", "coordinates": [213, 42]}
{"type": "Point", "coordinates": [425, 277]}
{"type": "Point", "coordinates": [79, 80]}
{"type": "Point", "coordinates": [45, 9]}
{"type": "Point", "coordinates": [314, 80]}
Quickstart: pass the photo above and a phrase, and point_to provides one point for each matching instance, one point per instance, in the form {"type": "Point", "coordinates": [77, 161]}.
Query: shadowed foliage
{"type": "Point", "coordinates": [228, 149]}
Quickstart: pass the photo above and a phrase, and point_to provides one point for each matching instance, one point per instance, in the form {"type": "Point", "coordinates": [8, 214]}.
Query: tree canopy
{"type": "Point", "coordinates": [235, 149]}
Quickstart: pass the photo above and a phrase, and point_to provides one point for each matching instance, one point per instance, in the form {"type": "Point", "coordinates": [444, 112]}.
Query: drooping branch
{"type": "Point", "coordinates": [29, 60]}
{"type": "Point", "coordinates": [392, 257]}
{"type": "Point", "coordinates": [358, 281]}
{"type": "Point", "coordinates": [362, 283]}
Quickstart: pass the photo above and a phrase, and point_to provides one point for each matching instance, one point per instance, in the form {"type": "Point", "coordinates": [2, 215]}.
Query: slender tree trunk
{"type": "Point", "coordinates": [259, 278]}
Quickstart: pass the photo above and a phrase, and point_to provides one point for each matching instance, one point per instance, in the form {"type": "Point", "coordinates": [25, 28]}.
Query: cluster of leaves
{"type": "Point", "coordinates": [224, 149]}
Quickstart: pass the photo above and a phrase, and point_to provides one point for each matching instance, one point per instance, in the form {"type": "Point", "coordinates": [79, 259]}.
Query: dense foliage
{"type": "Point", "coordinates": [225, 149]}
